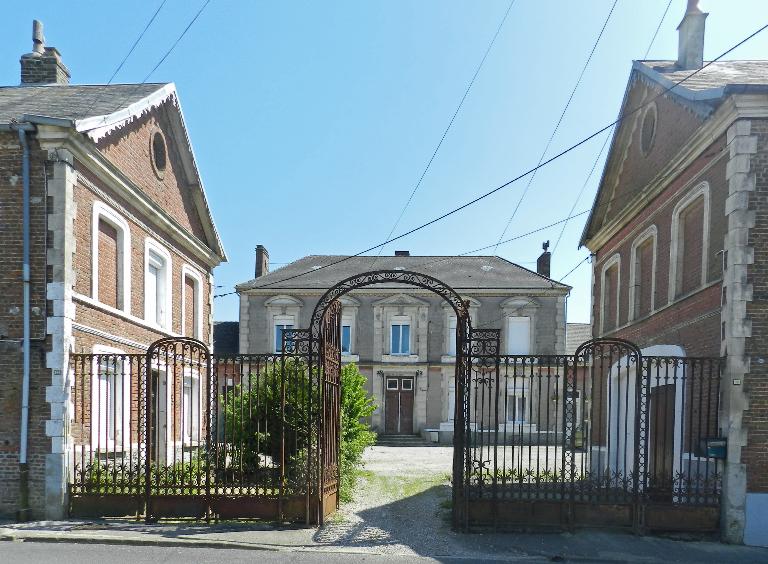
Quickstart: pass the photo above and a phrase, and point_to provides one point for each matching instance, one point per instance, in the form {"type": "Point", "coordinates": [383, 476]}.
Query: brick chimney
{"type": "Point", "coordinates": [43, 65]}
{"type": "Point", "coordinates": [690, 49]}
{"type": "Point", "coordinates": [262, 261]}
{"type": "Point", "coordinates": [544, 261]}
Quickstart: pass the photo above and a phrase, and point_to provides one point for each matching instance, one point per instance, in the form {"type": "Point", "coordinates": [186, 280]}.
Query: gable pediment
{"type": "Point", "coordinates": [401, 300]}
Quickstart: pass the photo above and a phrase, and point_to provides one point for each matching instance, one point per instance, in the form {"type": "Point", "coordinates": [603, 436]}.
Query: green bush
{"type": "Point", "coordinates": [356, 405]}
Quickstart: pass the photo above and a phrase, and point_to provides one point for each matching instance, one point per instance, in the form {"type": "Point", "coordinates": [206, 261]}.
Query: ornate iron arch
{"type": "Point", "coordinates": [406, 277]}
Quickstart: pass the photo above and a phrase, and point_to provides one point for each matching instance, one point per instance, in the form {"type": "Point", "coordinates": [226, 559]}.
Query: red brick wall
{"type": "Point", "coordinates": [11, 324]}
{"type": "Point", "coordinates": [108, 265]}
{"type": "Point", "coordinates": [130, 149]}
{"type": "Point", "coordinates": [691, 233]}
{"type": "Point", "coordinates": [610, 300]}
{"type": "Point", "coordinates": [755, 419]}
{"type": "Point", "coordinates": [189, 307]}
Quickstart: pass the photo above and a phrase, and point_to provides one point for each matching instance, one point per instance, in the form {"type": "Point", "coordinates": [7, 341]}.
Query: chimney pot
{"type": "Point", "coordinates": [544, 261]}
{"type": "Point", "coordinates": [262, 261]}
{"type": "Point", "coordinates": [43, 64]}
{"type": "Point", "coordinates": [690, 48]}
{"type": "Point", "coordinates": [402, 253]}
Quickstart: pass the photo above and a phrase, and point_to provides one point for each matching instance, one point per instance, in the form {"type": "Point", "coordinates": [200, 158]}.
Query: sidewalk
{"type": "Point", "coordinates": [584, 546]}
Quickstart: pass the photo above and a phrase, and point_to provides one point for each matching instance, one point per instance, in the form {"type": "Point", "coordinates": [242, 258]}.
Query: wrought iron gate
{"type": "Point", "coordinates": [605, 437]}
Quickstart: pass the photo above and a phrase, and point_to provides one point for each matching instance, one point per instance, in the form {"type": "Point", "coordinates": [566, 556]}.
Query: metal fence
{"type": "Point", "coordinates": [603, 437]}
{"type": "Point", "coordinates": [177, 432]}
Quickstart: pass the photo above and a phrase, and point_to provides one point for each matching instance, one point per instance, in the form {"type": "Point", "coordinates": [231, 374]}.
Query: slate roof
{"type": "Point", "coordinates": [714, 78]}
{"type": "Point", "coordinates": [73, 102]}
{"type": "Point", "coordinates": [226, 337]}
{"type": "Point", "coordinates": [461, 273]}
{"type": "Point", "coordinates": [575, 335]}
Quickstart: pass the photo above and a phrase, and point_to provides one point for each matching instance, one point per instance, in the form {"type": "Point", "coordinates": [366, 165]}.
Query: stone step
{"type": "Point", "coordinates": [400, 440]}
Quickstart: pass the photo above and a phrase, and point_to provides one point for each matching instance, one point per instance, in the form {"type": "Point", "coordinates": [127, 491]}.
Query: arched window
{"type": "Point", "coordinates": [689, 243]}
{"type": "Point", "coordinates": [110, 258]}
{"type": "Point", "coordinates": [642, 274]}
{"type": "Point", "coordinates": [609, 293]}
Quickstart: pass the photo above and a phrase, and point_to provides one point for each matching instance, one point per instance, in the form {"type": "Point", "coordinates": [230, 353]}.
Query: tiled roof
{"type": "Point", "coordinates": [226, 337]}
{"type": "Point", "coordinates": [469, 272]}
{"type": "Point", "coordinates": [575, 335]}
{"type": "Point", "coordinates": [717, 75]}
{"type": "Point", "coordinates": [73, 102]}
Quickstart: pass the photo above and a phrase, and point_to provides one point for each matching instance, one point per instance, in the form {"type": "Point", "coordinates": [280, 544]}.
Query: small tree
{"type": "Point", "coordinates": [356, 435]}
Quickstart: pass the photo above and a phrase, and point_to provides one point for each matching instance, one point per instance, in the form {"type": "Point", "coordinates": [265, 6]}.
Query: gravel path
{"type": "Point", "coordinates": [402, 506]}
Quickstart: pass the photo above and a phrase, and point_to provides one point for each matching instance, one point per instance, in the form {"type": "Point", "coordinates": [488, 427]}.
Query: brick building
{"type": "Point", "coordinates": [403, 338]}
{"type": "Point", "coordinates": [121, 247]}
{"type": "Point", "coordinates": [678, 233]}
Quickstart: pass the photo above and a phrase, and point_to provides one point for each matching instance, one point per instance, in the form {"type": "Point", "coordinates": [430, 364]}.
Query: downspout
{"type": "Point", "coordinates": [23, 512]}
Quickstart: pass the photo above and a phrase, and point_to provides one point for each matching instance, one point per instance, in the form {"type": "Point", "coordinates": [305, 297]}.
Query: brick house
{"type": "Point", "coordinates": [121, 248]}
{"type": "Point", "coordinates": [680, 244]}
{"type": "Point", "coordinates": [403, 338]}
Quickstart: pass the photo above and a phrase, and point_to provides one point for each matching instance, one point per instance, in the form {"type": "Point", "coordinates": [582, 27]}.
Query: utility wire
{"type": "Point", "coordinates": [559, 120]}
{"type": "Point", "coordinates": [130, 52]}
{"type": "Point", "coordinates": [165, 56]}
{"type": "Point", "coordinates": [575, 267]}
{"type": "Point", "coordinates": [450, 123]}
{"type": "Point", "coordinates": [658, 27]}
{"type": "Point", "coordinates": [553, 158]}
{"type": "Point", "coordinates": [597, 159]}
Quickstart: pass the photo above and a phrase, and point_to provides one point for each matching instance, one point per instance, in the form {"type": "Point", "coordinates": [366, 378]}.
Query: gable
{"type": "Point", "coordinates": [401, 300]}
{"type": "Point", "coordinates": [134, 149]}
{"type": "Point", "coordinates": [636, 157]}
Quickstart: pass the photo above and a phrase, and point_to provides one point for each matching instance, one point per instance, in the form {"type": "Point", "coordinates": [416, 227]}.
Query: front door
{"type": "Point", "coordinates": [662, 440]}
{"type": "Point", "coordinates": [398, 406]}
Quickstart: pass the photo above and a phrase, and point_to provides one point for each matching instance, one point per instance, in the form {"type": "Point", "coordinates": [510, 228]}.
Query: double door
{"type": "Point", "coordinates": [398, 406]}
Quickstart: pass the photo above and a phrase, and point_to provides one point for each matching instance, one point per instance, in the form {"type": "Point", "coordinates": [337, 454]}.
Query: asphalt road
{"type": "Point", "coordinates": [64, 553]}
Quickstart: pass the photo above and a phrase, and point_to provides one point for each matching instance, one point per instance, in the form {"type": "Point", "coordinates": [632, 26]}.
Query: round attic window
{"type": "Point", "coordinates": [159, 154]}
{"type": "Point", "coordinates": [648, 131]}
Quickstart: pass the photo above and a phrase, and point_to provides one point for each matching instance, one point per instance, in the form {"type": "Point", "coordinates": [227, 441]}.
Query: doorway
{"type": "Point", "coordinates": [398, 406]}
{"type": "Point", "coordinates": [662, 440]}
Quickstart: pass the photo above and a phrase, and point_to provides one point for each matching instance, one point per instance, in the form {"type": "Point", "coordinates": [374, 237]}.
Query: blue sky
{"type": "Point", "coordinates": [312, 121]}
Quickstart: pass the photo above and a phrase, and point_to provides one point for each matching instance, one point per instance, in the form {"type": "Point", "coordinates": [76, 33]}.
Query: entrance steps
{"type": "Point", "coordinates": [400, 441]}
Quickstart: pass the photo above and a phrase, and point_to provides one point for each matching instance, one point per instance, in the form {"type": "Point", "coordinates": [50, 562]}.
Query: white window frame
{"type": "Point", "coordinates": [100, 438]}
{"type": "Point", "coordinates": [276, 306]}
{"type": "Point", "coordinates": [650, 233]}
{"type": "Point", "coordinates": [519, 306]}
{"type": "Point", "coordinates": [675, 252]}
{"type": "Point", "coordinates": [280, 320]}
{"type": "Point", "coordinates": [511, 320]}
{"type": "Point", "coordinates": [103, 212]}
{"type": "Point", "coordinates": [449, 319]}
{"type": "Point", "coordinates": [188, 271]}
{"type": "Point", "coordinates": [194, 438]}
{"type": "Point", "coordinates": [152, 246]}
{"type": "Point", "coordinates": [615, 260]}
{"type": "Point", "coordinates": [401, 320]}
{"type": "Point", "coordinates": [450, 345]}
{"type": "Point", "coordinates": [519, 391]}
{"type": "Point", "coordinates": [347, 321]}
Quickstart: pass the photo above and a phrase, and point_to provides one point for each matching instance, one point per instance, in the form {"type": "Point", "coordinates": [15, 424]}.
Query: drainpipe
{"type": "Point", "coordinates": [23, 513]}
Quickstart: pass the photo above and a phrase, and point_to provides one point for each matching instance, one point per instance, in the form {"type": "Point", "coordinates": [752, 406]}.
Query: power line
{"type": "Point", "coordinates": [130, 52]}
{"type": "Point", "coordinates": [450, 123]}
{"type": "Point", "coordinates": [583, 187]}
{"type": "Point", "coordinates": [658, 27]}
{"type": "Point", "coordinates": [560, 119]}
{"type": "Point", "coordinates": [575, 267]}
{"type": "Point", "coordinates": [468, 252]}
{"type": "Point", "coordinates": [555, 157]}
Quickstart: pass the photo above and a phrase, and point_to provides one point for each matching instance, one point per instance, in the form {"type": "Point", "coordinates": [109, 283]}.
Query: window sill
{"type": "Point", "coordinates": [120, 313]}
{"type": "Point", "coordinates": [350, 357]}
{"type": "Point", "coordinates": [400, 358]}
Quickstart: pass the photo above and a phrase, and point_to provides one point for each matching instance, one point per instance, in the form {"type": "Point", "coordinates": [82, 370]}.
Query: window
{"type": "Point", "coordinates": [648, 130]}
{"type": "Point", "coordinates": [110, 400]}
{"type": "Point", "coordinates": [452, 336]}
{"type": "Point", "coordinates": [159, 154]}
{"type": "Point", "coordinates": [642, 287]}
{"type": "Point", "coordinates": [609, 294]}
{"type": "Point", "coordinates": [192, 303]}
{"type": "Point", "coordinates": [191, 409]}
{"type": "Point", "coordinates": [157, 286]}
{"type": "Point", "coordinates": [401, 335]}
{"type": "Point", "coordinates": [110, 258]}
{"type": "Point", "coordinates": [282, 322]}
{"type": "Point", "coordinates": [392, 384]}
{"type": "Point", "coordinates": [516, 408]}
{"type": "Point", "coordinates": [519, 335]}
{"type": "Point", "coordinates": [346, 339]}
{"type": "Point", "coordinates": [406, 384]}
{"type": "Point", "coordinates": [689, 243]}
